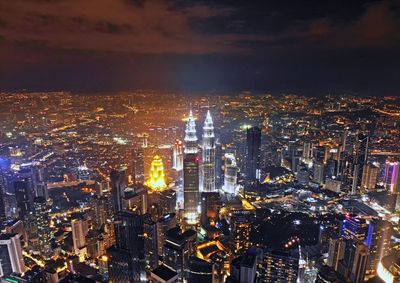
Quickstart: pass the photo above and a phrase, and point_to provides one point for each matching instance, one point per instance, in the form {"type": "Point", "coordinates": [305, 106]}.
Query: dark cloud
{"type": "Point", "coordinates": [312, 46]}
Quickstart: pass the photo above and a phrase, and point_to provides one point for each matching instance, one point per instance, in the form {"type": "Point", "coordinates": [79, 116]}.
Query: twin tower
{"type": "Point", "coordinates": [198, 173]}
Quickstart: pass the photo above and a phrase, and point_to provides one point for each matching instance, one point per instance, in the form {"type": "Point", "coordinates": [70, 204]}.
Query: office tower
{"type": "Point", "coordinates": [336, 252]}
{"type": "Point", "coordinates": [241, 224]}
{"type": "Point", "coordinates": [353, 227]}
{"type": "Point", "coordinates": [359, 263]}
{"type": "Point", "coordinates": [207, 178]}
{"type": "Point", "coordinates": [280, 266]}
{"type": "Point", "coordinates": [94, 244]}
{"type": "Point", "coordinates": [23, 197]}
{"type": "Point", "coordinates": [360, 155]}
{"type": "Point", "coordinates": [369, 177]}
{"type": "Point", "coordinates": [83, 173]}
{"type": "Point", "coordinates": [230, 175]}
{"type": "Point", "coordinates": [199, 271]}
{"type": "Point", "coordinates": [42, 222]}
{"type": "Point", "coordinates": [210, 206]}
{"type": "Point", "coordinates": [303, 176]}
{"type": "Point", "coordinates": [138, 165]}
{"type": "Point", "coordinates": [150, 242]}
{"type": "Point", "coordinates": [177, 249]}
{"type": "Point", "coordinates": [3, 217]}
{"type": "Point", "coordinates": [136, 199]}
{"type": "Point", "coordinates": [219, 172]}
{"type": "Point", "coordinates": [11, 259]}
{"type": "Point", "coordinates": [318, 173]}
{"type": "Point", "coordinates": [392, 176]}
{"type": "Point", "coordinates": [307, 150]}
{"type": "Point", "coordinates": [191, 172]}
{"type": "Point", "coordinates": [127, 257]}
{"type": "Point", "coordinates": [331, 168]}
{"type": "Point", "coordinates": [99, 211]}
{"type": "Point", "coordinates": [167, 201]}
{"type": "Point", "coordinates": [79, 228]}
{"type": "Point", "coordinates": [252, 154]}
{"type": "Point", "coordinates": [156, 180]}
{"type": "Point", "coordinates": [165, 223]}
{"type": "Point", "coordinates": [118, 185]}
{"type": "Point", "coordinates": [378, 242]}
{"type": "Point", "coordinates": [177, 155]}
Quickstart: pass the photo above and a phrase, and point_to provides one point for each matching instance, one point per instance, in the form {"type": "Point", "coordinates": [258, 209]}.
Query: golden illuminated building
{"type": "Point", "coordinates": [156, 181]}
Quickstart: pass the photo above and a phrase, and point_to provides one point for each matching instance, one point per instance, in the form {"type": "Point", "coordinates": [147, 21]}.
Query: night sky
{"type": "Point", "coordinates": [304, 47]}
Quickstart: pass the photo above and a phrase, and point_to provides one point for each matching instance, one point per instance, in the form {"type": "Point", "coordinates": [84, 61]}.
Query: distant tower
{"type": "Point", "coordinates": [138, 165]}
{"type": "Point", "coordinates": [360, 159]}
{"type": "Point", "coordinates": [191, 172]}
{"type": "Point", "coordinates": [118, 185]}
{"type": "Point", "coordinates": [178, 155]}
{"type": "Point", "coordinates": [253, 148]}
{"type": "Point", "coordinates": [156, 180]}
{"type": "Point", "coordinates": [208, 156]}
{"type": "Point", "coordinates": [231, 170]}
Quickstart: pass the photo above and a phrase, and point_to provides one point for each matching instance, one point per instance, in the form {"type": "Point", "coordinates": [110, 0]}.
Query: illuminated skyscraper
{"type": "Point", "coordinates": [42, 222]}
{"type": "Point", "coordinates": [370, 176]}
{"type": "Point", "coordinates": [392, 177]}
{"type": "Point", "coordinates": [230, 177]}
{"type": "Point", "coordinates": [156, 180]}
{"type": "Point", "coordinates": [178, 155]}
{"type": "Point", "coordinates": [191, 172]}
{"type": "Point", "coordinates": [207, 183]}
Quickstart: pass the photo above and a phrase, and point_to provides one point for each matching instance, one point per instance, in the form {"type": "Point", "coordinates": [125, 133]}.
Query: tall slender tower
{"type": "Point", "coordinates": [207, 181]}
{"type": "Point", "coordinates": [191, 172]}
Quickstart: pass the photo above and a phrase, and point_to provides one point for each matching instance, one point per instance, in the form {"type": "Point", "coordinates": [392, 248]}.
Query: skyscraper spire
{"type": "Point", "coordinates": [190, 135]}
{"type": "Point", "coordinates": [208, 155]}
{"type": "Point", "coordinates": [191, 172]}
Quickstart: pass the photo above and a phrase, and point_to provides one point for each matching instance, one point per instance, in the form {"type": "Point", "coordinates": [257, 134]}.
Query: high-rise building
{"type": "Point", "coordinates": [318, 173]}
{"type": "Point", "coordinates": [79, 228]}
{"type": "Point", "coordinates": [230, 176]}
{"type": "Point", "coordinates": [23, 197]}
{"type": "Point", "coordinates": [252, 158]}
{"type": "Point", "coordinates": [138, 165]}
{"type": "Point", "coordinates": [11, 259]}
{"type": "Point", "coordinates": [177, 249]}
{"type": "Point", "coordinates": [377, 242]}
{"type": "Point", "coordinates": [219, 172]}
{"type": "Point", "coordinates": [360, 155]}
{"type": "Point", "coordinates": [207, 179]}
{"type": "Point", "coordinates": [369, 177]}
{"type": "Point", "coordinates": [127, 259]}
{"type": "Point", "coordinates": [118, 185]}
{"type": "Point", "coordinates": [165, 223]}
{"type": "Point", "coordinates": [280, 266]}
{"type": "Point", "coordinates": [241, 224]}
{"type": "Point", "coordinates": [136, 199]}
{"type": "Point", "coordinates": [3, 217]}
{"type": "Point", "coordinates": [392, 176]}
{"type": "Point", "coordinates": [353, 227]}
{"type": "Point", "coordinates": [150, 242]}
{"type": "Point", "coordinates": [177, 155]}
{"type": "Point", "coordinates": [199, 271]}
{"type": "Point", "coordinates": [210, 207]}
{"type": "Point", "coordinates": [336, 252]}
{"type": "Point", "coordinates": [156, 181]}
{"type": "Point", "coordinates": [42, 222]}
{"type": "Point", "coordinates": [191, 172]}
